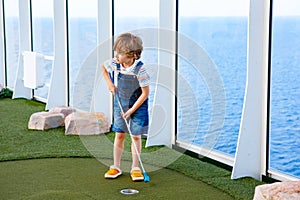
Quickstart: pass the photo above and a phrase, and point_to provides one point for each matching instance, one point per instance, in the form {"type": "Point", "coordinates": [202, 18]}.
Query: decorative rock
{"type": "Point", "coordinates": [45, 120]}
{"type": "Point", "coordinates": [85, 123]}
{"type": "Point", "coordinates": [63, 109]}
{"type": "Point", "coordinates": [281, 190]}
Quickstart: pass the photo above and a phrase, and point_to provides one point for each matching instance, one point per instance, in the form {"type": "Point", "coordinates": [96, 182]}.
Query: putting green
{"type": "Point", "coordinates": [82, 178]}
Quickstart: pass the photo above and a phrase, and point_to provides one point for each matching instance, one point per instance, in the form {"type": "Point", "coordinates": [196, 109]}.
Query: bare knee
{"type": "Point", "coordinates": [120, 136]}
{"type": "Point", "coordinates": [136, 138]}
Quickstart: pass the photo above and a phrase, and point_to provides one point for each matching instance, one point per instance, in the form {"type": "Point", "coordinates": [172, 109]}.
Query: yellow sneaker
{"type": "Point", "coordinates": [136, 174]}
{"type": "Point", "coordinates": [113, 172]}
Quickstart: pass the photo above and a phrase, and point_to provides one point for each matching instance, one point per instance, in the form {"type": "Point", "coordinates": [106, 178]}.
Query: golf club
{"type": "Point", "coordinates": [146, 177]}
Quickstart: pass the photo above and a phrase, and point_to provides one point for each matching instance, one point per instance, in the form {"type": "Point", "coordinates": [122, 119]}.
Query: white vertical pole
{"type": "Point", "coordinates": [102, 99]}
{"type": "Point", "coordinates": [105, 23]}
{"type": "Point", "coordinates": [25, 45]}
{"type": "Point", "coordinates": [250, 158]}
{"type": "Point", "coordinates": [2, 55]}
{"type": "Point", "coordinates": [165, 91]}
{"type": "Point", "coordinates": [58, 90]}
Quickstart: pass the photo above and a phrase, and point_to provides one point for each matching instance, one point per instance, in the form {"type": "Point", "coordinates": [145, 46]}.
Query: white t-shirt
{"type": "Point", "coordinates": [143, 76]}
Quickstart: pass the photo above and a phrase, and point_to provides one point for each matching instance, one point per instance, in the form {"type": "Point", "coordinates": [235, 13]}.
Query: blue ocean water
{"type": "Point", "coordinates": [225, 41]}
{"type": "Point", "coordinates": [285, 96]}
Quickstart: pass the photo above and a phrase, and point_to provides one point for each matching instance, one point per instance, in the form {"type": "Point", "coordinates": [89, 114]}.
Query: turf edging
{"type": "Point", "coordinates": [220, 178]}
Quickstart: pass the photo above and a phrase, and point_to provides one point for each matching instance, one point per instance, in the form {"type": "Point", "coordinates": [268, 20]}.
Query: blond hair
{"type": "Point", "coordinates": [129, 44]}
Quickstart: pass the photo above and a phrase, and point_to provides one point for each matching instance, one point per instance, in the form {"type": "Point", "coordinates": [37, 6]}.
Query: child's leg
{"type": "Point", "coordinates": [118, 148]}
{"type": "Point", "coordinates": [137, 140]}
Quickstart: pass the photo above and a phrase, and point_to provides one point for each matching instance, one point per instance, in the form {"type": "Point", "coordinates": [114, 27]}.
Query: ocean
{"type": "Point", "coordinates": [225, 42]}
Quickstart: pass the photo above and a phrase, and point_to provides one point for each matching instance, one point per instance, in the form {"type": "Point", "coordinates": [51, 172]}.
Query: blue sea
{"type": "Point", "coordinates": [225, 42]}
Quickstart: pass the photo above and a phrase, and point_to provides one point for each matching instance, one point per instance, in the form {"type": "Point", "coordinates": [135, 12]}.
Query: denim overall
{"type": "Point", "coordinates": [128, 92]}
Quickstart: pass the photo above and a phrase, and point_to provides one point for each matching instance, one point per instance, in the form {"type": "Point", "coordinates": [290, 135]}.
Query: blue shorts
{"type": "Point", "coordinates": [138, 122]}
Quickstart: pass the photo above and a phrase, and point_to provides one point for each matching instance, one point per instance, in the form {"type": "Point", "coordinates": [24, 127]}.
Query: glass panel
{"type": "Point", "coordinates": [82, 40]}
{"type": "Point", "coordinates": [42, 26]}
{"type": "Point", "coordinates": [220, 34]}
{"type": "Point", "coordinates": [11, 8]}
{"type": "Point", "coordinates": [285, 88]}
{"type": "Point", "coordinates": [137, 16]}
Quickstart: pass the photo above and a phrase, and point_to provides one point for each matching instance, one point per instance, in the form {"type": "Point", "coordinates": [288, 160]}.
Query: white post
{"type": "Point", "coordinates": [25, 45]}
{"type": "Point", "coordinates": [250, 158]}
{"type": "Point", "coordinates": [165, 91]}
{"type": "Point", "coordinates": [58, 90]}
{"type": "Point", "coordinates": [102, 99]}
{"type": "Point", "coordinates": [2, 55]}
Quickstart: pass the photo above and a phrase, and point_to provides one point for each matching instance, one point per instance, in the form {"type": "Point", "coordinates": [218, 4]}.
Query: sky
{"type": "Point", "coordinates": [150, 7]}
{"type": "Point", "coordinates": [286, 7]}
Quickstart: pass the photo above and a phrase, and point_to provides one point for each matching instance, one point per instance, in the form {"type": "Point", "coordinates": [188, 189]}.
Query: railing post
{"type": "Point", "coordinates": [58, 90]}
{"type": "Point", "coordinates": [20, 91]}
{"type": "Point", "coordinates": [250, 158]}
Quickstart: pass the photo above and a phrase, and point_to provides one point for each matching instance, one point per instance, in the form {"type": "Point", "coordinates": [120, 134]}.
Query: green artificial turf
{"type": "Point", "coordinates": [82, 178]}
{"type": "Point", "coordinates": [18, 144]}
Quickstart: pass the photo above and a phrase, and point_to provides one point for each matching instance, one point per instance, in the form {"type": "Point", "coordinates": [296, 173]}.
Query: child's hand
{"type": "Point", "coordinates": [112, 88]}
{"type": "Point", "coordinates": [128, 113]}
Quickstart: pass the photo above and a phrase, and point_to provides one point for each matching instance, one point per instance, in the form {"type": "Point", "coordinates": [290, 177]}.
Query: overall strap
{"type": "Point", "coordinates": [118, 66]}
{"type": "Point", "coordinates": [138, 67]}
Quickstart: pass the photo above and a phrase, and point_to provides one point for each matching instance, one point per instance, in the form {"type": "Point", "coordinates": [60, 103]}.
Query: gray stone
{"type": "Point", "coordinates": [86, 123]}
{"type": "Point", "coordinates": [279, 190]}
{"type": "Point", "coordinates": [63, 109]}
{"type": "Point", "coordinates": [45, 120]}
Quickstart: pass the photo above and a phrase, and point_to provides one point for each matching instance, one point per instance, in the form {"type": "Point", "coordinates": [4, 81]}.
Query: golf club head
{"type": "Point", "coordinates": [146, 177]}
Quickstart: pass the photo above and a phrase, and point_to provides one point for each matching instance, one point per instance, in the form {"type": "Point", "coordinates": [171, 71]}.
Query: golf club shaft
{"type": "Point", "coordinates": [128, 127]}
